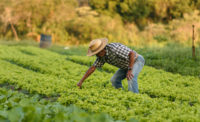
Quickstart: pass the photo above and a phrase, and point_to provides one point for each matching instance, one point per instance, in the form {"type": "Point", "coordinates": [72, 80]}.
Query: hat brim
{"type": "Point", "coordinates": [104, 43]}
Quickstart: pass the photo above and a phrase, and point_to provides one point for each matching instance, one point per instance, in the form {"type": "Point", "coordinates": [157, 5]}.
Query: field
{"type": "Point", "coordinates": [44, 81]}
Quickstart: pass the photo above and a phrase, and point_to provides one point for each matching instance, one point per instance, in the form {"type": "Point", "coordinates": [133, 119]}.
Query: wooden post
{"type": "Point", "coordinates": [14, 31]}
{"type": "Point", "coordinates": [193, 46]}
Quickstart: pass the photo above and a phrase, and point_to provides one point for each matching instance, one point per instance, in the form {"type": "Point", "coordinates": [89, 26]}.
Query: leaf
{"type": "Point", "coordinates": [16, 114]}
{"type": "Point", "coordinates": [3, 114]}
{"type": "Point", "coordinates": [132, 120]}
{"type": "Point", "coordinates": [3, 99]}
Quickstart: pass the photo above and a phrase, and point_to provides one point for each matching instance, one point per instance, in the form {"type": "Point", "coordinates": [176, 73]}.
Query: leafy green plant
{"type": "Point", "coordinates": [163, 95]}
{"type": "Point", "coordinates": [16, 106]}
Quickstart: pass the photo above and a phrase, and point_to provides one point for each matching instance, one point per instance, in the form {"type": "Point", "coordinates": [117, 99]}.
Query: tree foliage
{"type": "Point", "coordinates": [143, 11]}
{"type": "Point", "coordinates": [68, 23]}
{"type": "Point", "coordinates": [32, 17]}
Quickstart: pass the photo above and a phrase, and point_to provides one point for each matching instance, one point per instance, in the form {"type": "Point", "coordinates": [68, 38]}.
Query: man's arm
{"type": "Point", "coordinates": [129, 75]}
{"type": "Point", "coordinates": [87, 74]}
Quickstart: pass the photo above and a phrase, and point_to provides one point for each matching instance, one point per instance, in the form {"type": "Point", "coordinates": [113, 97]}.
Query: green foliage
{"type": "Point", "coordinates": [143, 11]}
{"type": "Point", "coordinates": [108, 68]}
{"type": "Point", "coordinates": [16, 106]}
{"type": "Point", "coordinates": [137, 11]}
{"type": "Point", "coordinates": [96, 4]}
{"type": "Point", "coordinates": [87, 27]}
{"type": "Point", "coordinates": [173, 58]}
{"type": "Point", "coordinates": [198, 4]}
{"type": "Point", "coordinates": [33, 17]}
{"type": "Point", "coordinates": [161, 38]}
{"type": "Point", "coordinates": [67, 23]}
{"type": "Point", "coordinates": [118, 20]}
{"type": "Point", "coordinates": [163, 96]}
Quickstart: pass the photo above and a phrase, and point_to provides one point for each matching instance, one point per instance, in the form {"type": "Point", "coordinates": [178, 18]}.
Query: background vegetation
{"type": "Point", "coordinates": [133, 22]}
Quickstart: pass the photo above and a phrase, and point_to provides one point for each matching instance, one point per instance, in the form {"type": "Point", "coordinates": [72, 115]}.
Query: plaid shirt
{"type": "Point", "coordinates": [116, 54]}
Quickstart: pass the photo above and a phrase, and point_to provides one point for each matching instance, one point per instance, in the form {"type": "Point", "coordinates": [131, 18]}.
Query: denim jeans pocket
{"type": "Point", "coordinates": [141, 59]}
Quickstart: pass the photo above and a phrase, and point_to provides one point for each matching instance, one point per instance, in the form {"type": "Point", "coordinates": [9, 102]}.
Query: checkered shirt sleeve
{"type": "Point", "coordinates": [121, 50]}
{"type": "Point", "coordinates": [99, 62]}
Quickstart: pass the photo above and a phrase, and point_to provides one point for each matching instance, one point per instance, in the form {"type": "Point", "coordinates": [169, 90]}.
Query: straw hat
{"type": "Point", "coordinates": [96, 46]}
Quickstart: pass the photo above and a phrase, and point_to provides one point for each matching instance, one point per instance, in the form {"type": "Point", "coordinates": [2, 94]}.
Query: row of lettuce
{"type": "Point", "coordinates": [174, 57]}
{"type": "Point", "coordinates": [152, 80]}
{"type": "Point", "coordinates": [18, 107]}
{"type": "Point", "coordinates": [164, 96]}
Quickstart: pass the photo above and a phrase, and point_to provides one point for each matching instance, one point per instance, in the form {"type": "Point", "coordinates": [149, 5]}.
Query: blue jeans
{"type": "Point", "coordinates": [121, 74]}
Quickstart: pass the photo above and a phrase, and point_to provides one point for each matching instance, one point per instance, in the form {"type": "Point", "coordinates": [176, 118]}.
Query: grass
{"type": "Point", "coordinates": [173, 58]}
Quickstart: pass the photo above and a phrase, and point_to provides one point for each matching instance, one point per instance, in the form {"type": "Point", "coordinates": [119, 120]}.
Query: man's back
{"type": "Point", "coordinates": [116, 54]}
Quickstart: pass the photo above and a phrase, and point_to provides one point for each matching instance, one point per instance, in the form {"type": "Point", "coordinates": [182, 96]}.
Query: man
{"type": "Point", "coordinates": [129, 62]}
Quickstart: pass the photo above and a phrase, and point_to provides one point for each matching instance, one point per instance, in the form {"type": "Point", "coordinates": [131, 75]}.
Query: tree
{"type": "Point", "coordinates": [7, 19]}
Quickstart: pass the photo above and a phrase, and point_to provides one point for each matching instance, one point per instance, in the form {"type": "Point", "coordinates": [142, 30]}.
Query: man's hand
{"type": "Point", "coordinates": [79, 84]}
{"type": "Point", "coordinates": [88, 73]}
{"type": "Point", "coordinates": [129, 75]}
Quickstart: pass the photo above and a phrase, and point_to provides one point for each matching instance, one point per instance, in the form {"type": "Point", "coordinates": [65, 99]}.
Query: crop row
{"type": "Point", "coordinates": [157, 83]}
{"type": "Point", "coordinates": [16, 106]}
{"type": "Point", "coordinates": [57, 76]}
